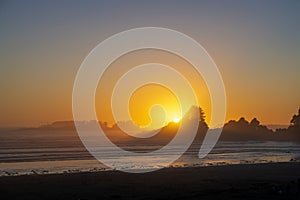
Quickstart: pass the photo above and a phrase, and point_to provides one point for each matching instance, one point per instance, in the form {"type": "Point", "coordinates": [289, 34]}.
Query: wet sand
{"type": "Point", "coordinates": [252, 181]}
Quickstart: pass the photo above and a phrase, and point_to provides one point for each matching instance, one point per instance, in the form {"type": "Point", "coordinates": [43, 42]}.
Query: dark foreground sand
{"type": "Point", "coordinates": [256, 181]}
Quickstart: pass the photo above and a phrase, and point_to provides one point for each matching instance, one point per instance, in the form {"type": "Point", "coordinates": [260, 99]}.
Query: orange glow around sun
{"type": "Point", "coordinates": [150, 106]}
{"type": "Point", "coordinates": [176, 120]}
{"type": "Point", "coordinates": [153, 105]}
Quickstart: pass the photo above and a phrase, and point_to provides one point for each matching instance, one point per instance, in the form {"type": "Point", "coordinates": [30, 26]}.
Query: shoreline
{"type": "Point", "coordinates": [239, 181]}
{"type": "Point", "coordinates": [94, 166]}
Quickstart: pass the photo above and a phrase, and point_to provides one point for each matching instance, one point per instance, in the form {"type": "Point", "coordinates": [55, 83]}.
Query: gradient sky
{"type": "Point", "coordinates": [256, 45]}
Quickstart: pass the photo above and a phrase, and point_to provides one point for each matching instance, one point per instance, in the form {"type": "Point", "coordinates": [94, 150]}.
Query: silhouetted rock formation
{"type": "Point", "coordinates": [295, 123]}
{"type": "Point", "coordinates": [163, 137]}
{"type": "Point", "coordinates": [243, 130]}
{"type": "Point", "coordinates": [292, 133]}
{"type": "Point", "coordinates": [201, 132]}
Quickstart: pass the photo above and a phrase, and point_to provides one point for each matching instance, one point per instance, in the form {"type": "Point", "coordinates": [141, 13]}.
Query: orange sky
{"type": "Point", "coordinates": [143, 98]}
{"type": "Point", "coordinates": [255, 46]}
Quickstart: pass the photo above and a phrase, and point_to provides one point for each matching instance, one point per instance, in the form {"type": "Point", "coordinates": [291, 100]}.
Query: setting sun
{"type": "Point", "coordinates": [176, 120]}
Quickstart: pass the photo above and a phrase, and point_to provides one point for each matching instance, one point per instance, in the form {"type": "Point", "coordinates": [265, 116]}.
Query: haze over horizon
{"type": "Point", "coordinates": [255, 45]}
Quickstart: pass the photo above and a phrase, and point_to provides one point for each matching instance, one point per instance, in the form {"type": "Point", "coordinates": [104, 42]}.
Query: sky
{"type": "Point", "coordinates": [255, 44]}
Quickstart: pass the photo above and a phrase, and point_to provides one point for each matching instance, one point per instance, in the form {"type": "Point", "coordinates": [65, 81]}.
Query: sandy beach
{"type": "Point", "coordinates": [249, 181]}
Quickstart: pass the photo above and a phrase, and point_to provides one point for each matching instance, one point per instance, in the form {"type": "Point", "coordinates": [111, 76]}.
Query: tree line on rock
{"type": "Point", "coordinates": [253, 130]}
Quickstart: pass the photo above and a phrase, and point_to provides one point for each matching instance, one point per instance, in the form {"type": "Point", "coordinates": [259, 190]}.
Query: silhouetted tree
{"type": "Point", "coordinates": [293, 131]}
{"type": "Point", "coordinates": [201, 132]}
{"type": "Point", "coordinates": [192, 113]}
{"type": "Point", "coordinates": [243, 122]}
{"type": "Point", "coordinates": [201, 115]}
{"type": "Point", "coordinates": [254, 122]}
{"type": "Point", "coordinates": [243, 130]}
{"type": "Point", "coordinates": [295, 121]}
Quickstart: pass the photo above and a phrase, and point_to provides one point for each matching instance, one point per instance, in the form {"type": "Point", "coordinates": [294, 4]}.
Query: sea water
{"type": "Point", "coordinates": [43, 153]}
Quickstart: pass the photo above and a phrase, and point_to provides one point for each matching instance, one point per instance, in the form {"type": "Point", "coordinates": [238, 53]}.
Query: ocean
{"type": "Point", "coordinates": [46, 152]}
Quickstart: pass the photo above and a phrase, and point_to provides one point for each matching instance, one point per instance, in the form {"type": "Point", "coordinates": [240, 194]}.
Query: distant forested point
{"type": "Point", "coordinates": [253, 130]}
{"type": "Point", "coordinates": [233, 130]}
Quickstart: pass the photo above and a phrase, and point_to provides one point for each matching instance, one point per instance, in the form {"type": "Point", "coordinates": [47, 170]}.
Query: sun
{"type": "Point", "coordinates": [176, 120]}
